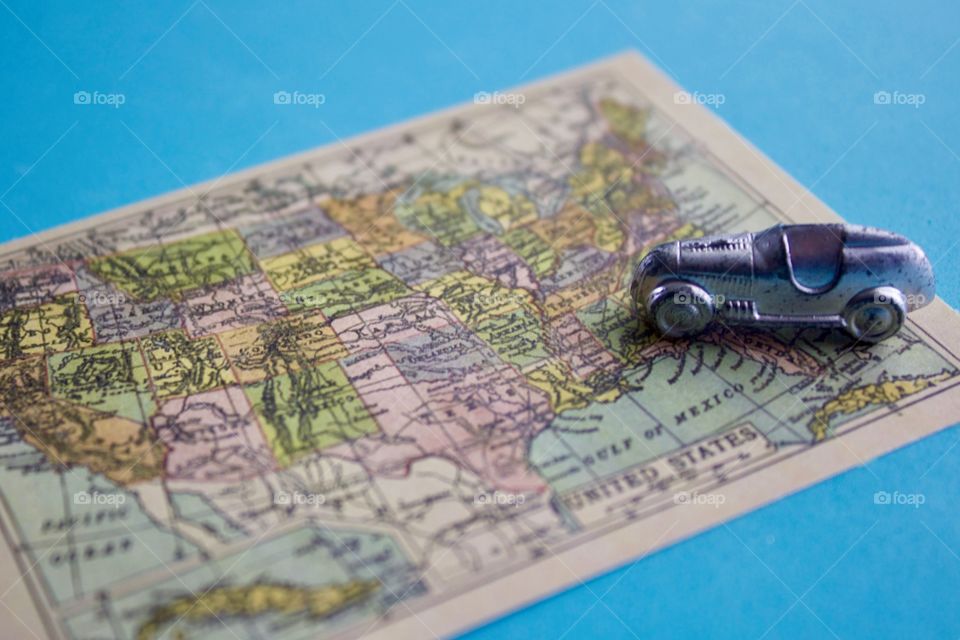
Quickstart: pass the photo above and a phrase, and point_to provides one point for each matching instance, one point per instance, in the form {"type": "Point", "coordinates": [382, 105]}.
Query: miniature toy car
{"type": "Point", "coordinates": [861, 279]}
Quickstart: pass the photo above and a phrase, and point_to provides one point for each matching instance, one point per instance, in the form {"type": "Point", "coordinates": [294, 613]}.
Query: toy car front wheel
{"type": "Point", "coordinates": [680, 309]}
{"type": "Point", "coordinates": [875, 314]}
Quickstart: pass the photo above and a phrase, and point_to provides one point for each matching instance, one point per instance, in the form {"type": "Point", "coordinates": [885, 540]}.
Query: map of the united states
{"type": "Point", "coordinates": [327, 396]}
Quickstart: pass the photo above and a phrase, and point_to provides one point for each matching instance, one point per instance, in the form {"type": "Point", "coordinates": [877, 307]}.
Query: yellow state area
{"type": "Point", "coordinates": [507, 210]}
{"type": "Point", "coordinates": [610, 234]}
{"type": "Point", "coordinates": [248, 601]}
{"type": "Point", "coordinates": [472, 297]}
{"type": "Point", "coordinates": [316, 262]}
{"type": "Point", "coordinates": [56, 326]}
{"type": "Point", "coordinates": [372, 220]}
{"type": "Point", "coordinates": [585, 292]}
{"type": "Point", "coordinates": [180, 366]}
{"type": "Point", "coordinates": [564, 389]}
{"type": "Point", "coordinates": [567, 229]}
{"type": "Point", "coordinates": [290, 344]}
{"type": "Point", "coordinates": [885, 392]}
{"type": "Point", "coordinates": [125, 451]}
{"type": "Point", "coordinates": [167, 270]}
{"type": "Point", "coordinates": [604, 168]}
{"type": "Point", "coordinates": [22, 381]}
{"type": "Point", "coordinates": [626, 122]}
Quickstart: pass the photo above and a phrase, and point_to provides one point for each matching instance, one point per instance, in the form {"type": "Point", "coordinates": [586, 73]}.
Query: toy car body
{"type": "Point", "coordinates": [861, 279]}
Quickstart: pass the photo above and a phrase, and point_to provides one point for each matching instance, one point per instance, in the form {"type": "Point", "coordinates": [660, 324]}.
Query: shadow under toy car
{"type": "Point", "coordinates": [861, 279]}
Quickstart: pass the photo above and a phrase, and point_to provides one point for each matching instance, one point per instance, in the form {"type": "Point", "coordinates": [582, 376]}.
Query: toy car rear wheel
{"type": "Point", "coordinates": [680, 309]}
{"type": "Point", "coordinates": [875, 314]}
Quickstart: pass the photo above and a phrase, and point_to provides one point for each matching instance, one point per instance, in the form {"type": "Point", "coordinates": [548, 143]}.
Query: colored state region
{"type": "Point", "coordinates": [59, 325]}
{"type": "Point", "coordinates": [316, 262]}
{"type": "Point", "coordinates": [272, 349]}
{"type": "Point", "coordinates": [120, 449]}
{"type": "Point", "coordinates": [254, 600]}
{"type": "Point", "coordinates": [212, 436]}
{"type": "Point", "coordinates": [349, 291]}
{"type": "Point", "coordinates": [110, 378]}
{"type": "Point", "coordinates": [166, 270]}
{"type": "Point", "coordinates": [369, 220]}
{"type": "Point", "coordinates": [884, 392]}
{"type": "Point", "coordinates": [309, 410]}
{"type": "Point", "coordinates": [180, 366]}
{"type": "Point", "coordinates": [94, 418]}
{"type": "Point", "coordinates": [248, 300]}
{"type": "Point", "coordinates": [35, 286]}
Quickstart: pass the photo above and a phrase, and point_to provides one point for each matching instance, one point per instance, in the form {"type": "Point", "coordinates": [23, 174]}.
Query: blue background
{"type": "Point", "coordinates": [798, 80]}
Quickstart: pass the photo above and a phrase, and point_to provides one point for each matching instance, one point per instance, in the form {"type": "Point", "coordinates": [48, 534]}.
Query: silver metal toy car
{"type": "Point", "coordinates": [861, 279]}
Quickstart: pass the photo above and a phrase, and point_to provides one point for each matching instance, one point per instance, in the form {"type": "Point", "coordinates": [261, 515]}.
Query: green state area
{"type": "Point", "coordinates": [59, 325]}
{"type": "Point", "coordinates": [168, 269]}
{"type": "Point", "coordinates": [534, 250]}
{"type": "Point", "coordinates": [438, 215]}
{"type": "Point", "coordinates": [347, 293]}
{"type": "Point", "coordinates": [626, 122]}
{"type": "Point", "coordinates": [316, 262]}
{"type": "Point", "coordinates": [110, 378]}
{"type": "Point", "coordinates": [309, 410]}
{"type": "Point", "coordinates": [495, 209]}
{"type": "Point", "coordinates": [516, 336]}
{"type": "Point", "coordinates": [606, 182]}
{"type": "Point", "coordinates": [180, 366]}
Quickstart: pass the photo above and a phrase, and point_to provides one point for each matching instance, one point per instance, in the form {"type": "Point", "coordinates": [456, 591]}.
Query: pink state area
{"type": "Point", "coordinates": [36, 286]}
{"type": "Point", "coordinates": [489, 257]}
{"type": "Point", "coordinates": [396, 321]}
{"type": "Point", "coordinates": [437, 390]}
{"type": "Point", "coordinates": [490, 416]}
{"type": "Point", "coordinates": [247, 300]}
{"type": "Point", "coordinates": [212, 437]}
{"type": "Point", "coordinates": [578, 347]}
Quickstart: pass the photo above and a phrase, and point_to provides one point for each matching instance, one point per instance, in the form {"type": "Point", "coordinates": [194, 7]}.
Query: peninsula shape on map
{"type": "Point", "coordinates": [343, 393]}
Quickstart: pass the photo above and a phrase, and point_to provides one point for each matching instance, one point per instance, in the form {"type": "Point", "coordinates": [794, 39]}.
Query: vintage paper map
{"type": "Point", "coordinates": [394, 388]}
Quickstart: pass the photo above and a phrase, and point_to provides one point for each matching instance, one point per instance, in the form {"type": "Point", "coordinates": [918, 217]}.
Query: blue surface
{"type": "Point", "coordinates": [199, 79]}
